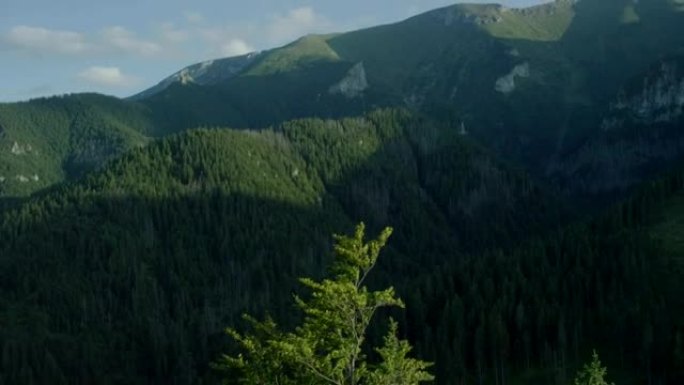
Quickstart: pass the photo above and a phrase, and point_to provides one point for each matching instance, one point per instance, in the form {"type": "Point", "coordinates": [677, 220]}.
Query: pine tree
{"type": "Point", "coordinates": [593, 373]}
{"type": "Point", "coordinates": [327, 348]}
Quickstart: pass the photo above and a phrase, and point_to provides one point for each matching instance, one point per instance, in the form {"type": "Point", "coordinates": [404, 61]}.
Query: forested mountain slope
{"type": "Point", "coordinates": [537, 86]}
{"type": "Point", "coordinates": [130, 275]}
{"type": "Point", "coordinates": [46, 141]}
{"type": "Point", "coordinates": [141, 235]}
{"type": "Point", "coordinates": [530, 314]}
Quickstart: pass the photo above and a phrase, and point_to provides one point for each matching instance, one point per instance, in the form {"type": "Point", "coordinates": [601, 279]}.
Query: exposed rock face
{"type": "Point", "coordinates": [659, 100]}
{"type": "Point", "coordinates": [514, 52]}
{"type": "Point", "coordinates": [205, 73]}
{"type": "Point", "coordinates": [495, 13]}
{"type": "Point", "coordinates": [641, 133]}
{"type": "Point", "coordinates": [353, 84]}
{"type": "Point", "coordinates": [460, 15]}
{"type": "Point", "coordinates": [18, 149]}
{"type": "Point", "coordinates": [184, 77]}
{"type": "Point", "coordinates": [506, 83]}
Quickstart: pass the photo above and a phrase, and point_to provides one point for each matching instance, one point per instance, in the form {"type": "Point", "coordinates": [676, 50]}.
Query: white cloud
{"type": "Point", "coordinates": [226, 40]}
{"type": "Point", "coordinates": [124, 40]}
{"type": "Point", "coordinates": [43, 40]}
{"type": "Point", "coordinates": [193, 17]}
{"type": "Point", "coordinates": [296, 23]}
{"type": "Point", "coordinates": [107, 77]}
{"type": "Point", "coordinates": [236, 47]}
{"type": "Point", "coordinates": [171, 34]}
{"type": "Point", "coordinates": [278, 29]}
{"type": "Point", "coordinates": [38, 40]}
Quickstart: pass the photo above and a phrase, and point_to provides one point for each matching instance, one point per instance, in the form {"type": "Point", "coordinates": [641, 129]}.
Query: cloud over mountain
{"type": "Point", "coordinates": [107, 77]}
{"type": "Point", "coordinates": [42, 40]}
{"type": "Point", "coordinates": [119, 38]}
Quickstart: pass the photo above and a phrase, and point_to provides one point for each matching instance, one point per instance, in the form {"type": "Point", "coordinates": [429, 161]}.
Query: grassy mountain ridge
{"type": "Point", "coordinates": [129, 271]}
{"type": "Point", "coordinates": [308, 49]}
{"type": "Point", "coordinates": [533, 85]}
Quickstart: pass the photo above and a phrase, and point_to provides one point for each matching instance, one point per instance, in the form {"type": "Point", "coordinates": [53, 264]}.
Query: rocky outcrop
{"type": "Point", "coordinates": [486, 14]}
{"type": "Point", "coordinates": [660, 99]}
{"type": "Point", "coordinates": [18, 149]}
{"type": "Point", "coordinates": [24, 179]}
{"type": "Point", "coordinates": [506, 84]}
{"type": "Point", "coordinates": [206, 73]}
{"type": "Point", "coordinates": [353, 84]}
{"type": "Point", "coordinates": [641, 134]}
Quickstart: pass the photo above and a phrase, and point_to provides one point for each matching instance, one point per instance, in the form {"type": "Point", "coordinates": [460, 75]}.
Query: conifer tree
{"type": "Point", "coordinates": [327, 348]}
{"type": "Point", "coordinates": [593, 373]}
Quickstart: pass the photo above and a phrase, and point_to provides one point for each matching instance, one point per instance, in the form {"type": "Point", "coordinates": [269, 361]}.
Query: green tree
{"type": "Point", "coordinates": [327, 348]}
{"type": "Point", "coordinates": [593, 373]}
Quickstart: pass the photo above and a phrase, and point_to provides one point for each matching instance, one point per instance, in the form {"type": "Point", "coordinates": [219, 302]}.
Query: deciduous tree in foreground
{"type": "Point", "coordinates": [327, 347]}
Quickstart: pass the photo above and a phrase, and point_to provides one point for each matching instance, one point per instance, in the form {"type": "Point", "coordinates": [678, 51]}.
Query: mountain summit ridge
{"type": "Point", "coordinates": [534, 85]}
{"type": "Point", "coordinates": [215, 71]}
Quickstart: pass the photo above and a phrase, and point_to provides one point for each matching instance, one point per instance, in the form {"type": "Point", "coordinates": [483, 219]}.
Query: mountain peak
{"type": "Point", "coordinates": [204, 73]}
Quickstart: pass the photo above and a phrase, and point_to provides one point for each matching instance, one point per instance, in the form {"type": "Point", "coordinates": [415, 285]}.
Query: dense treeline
{"type": "Point", "coordinates": [259, 101]}
{"type": "Point", "coordinates": [130, 275]}
{"type": "Point", "coordinates": [46, 141]}
{"type": "Point", "coordinates": [534, 312]}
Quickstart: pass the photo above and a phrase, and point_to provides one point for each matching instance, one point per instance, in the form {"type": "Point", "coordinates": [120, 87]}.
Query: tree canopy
{"type": "Point", "coordinates": [328, 346]}
{"type": "Point", "coordinates": [593, 373]}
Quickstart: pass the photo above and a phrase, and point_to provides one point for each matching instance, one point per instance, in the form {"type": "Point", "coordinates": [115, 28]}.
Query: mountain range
{"type": "Point", "coordinates": [538, 86]}
{"type": "Point", "coordinates": [529, 160]}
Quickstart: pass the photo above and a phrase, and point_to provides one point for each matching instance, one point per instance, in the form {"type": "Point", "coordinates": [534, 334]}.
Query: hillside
{"type": "Point", "coordinates": [131, 274]}
{"type": "Point", "coordinates": [527, 315]}
{"type": "Point", "coordinates": [159, 251]}
{"type": "Point", "coordinates": [46, 141]}
{"type": "Point", "coordinates": [535, 86]}
{"type": "Point", "coordinates": [639, 135]}
{"type": "Point", "coordinates": [529, 161]}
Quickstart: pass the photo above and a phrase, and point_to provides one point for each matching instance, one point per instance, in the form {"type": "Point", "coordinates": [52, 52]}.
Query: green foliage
{"type": "Point", "coordinates": [395, 368]}
{"type": "Point", "coordinates": [306, 50]}
{"type": "Point", "coordinates": [547, 22]}
{"type": "Point", "coordinates": [327, 348]}
{"type": "Point", "coordinates": [156, 253]}
{"type": "Point", "coordinates": [444, 63]}
{"type": "Point", "coordinates": [130, 275]}
{"type": "Point", "coordinates": [46, 141]}
{"type": "Point", "coordinates": [592, 373]}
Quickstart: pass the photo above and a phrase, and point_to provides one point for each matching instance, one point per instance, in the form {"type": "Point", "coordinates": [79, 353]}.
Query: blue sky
{"type": "Point", "coordinates": [120, 47]}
